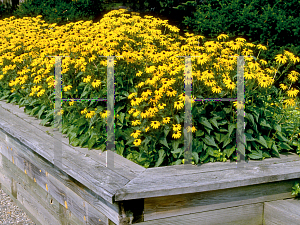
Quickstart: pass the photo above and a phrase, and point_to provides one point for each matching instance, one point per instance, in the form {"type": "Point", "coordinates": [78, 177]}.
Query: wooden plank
{"type": "Point", "coordinates": [130, 169]}
{"type": "Point", "coordinates": [102, 180]}
{"type": "Point", "coordinates": [168, 206]}
{"type": "Point", "coordinates": [7, 190]}
{"type": "Point", "coordinates": [251, 214]}
{"type": "Point", "coordinates": [61, 186]}
{"type": "Point", "coordinates": [149, 184]}
{"type": "Point", "coordinates": [32, 192]}
{"type": "Point", "coordinates": [282, 212]}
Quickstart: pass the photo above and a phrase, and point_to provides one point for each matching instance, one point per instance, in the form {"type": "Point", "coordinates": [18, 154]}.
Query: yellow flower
{"type": "Point", "coordinates": [155, 124]}
{"type": "Point", "coordinates": [67, 88]}
{"type": "Point", "coordinates": [87, 79]}
{"type": "Point", "coordinates": [178, 105]}
{"type": "Point", "coordinates": [96, 83]}
{"type": "Point", "coordinates": [222, 36]}
{"type": "Point", "coordinates": [41, 93]}
{"type": "Point", "coordinates": [293, 92]}
{"type": "Point", "coordinates": [84, 111]}
{"type": "Point", "coordinates": [136, 122]}
{"type": "Point", "coordinates": [281, 58]}
{"type": "Point", "coordinates": [176, 127]}
{"type": "Point", "coordinates": [146, 129]}
{"type": "Point", "coordinates": [137, 142]}
{"type": "Point", "coordinates": [136, 113]}
{"type": "Point", "coordinates": [283, 87]}
{"type": "Point", "coordinates": [176, 135]}
{"type": "Point", "coordinates": [136, 134]}
{"type": "Point", "coordinates": [166, 120]}
{"type": "Point", "coordinates": [90, 114]}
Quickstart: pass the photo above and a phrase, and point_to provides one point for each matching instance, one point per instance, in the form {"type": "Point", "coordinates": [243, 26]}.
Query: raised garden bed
{"type": "Point", "coordinates": [85, 191]}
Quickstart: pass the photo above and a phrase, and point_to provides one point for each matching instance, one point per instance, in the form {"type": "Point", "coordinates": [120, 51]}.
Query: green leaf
{"type": "Point", "coordinates": [164, 142]}
{"type": "Point", "coordinates": [44, 121]}
{"type": "Point", "coordinates": [228, 151]}
{"type": "Point", "coordinates": [195, 157]}
{"type": "Point", "coordinates": [223, 130]}
{"type": "Point", "coordinates": [83, 138]}
{"type": "Point", "coordinates": [269, 142]}
{"type": "Point", "coordinates": [284, 146]}
{"type": "Point", "coordinates": [91, 142]}
{"type": "Point", "coordinates": [218, 137]}
{"type": "Point", "coordinates": [250, 118]}
{"type": "Point", "coordinates": [255, 113]}
{"type": "Point", "coordinates": [34, 111]}
{"type": "Point", "coordinates": [227, 140]}
{"type": "Point", "coordinates": [249, 137]}
{"type": "Point", "coordinates": [175, 144]}
{"type": "Point", "coordinates": [266, 154]}
{"type": "Point", "coordinates": [214, 122]}
{"type": "Point", "coordinates": [120, 148]}
{"type": "Point", "coordinates": [75, 142]}
{"type": "Point", "coordinates": [205, 122]}
{"type": "Point", "coordinates": [177, 119]}
{"type": "Point", "coordinates": [203, 158]}
{"type": "Point", "coordinates": [81, 121]}
{"type": "Point", "coordinates": [275, 150]}
{"type": "Point", "coordinates": [264, 123]}
{"type": "Point", "coordinates": [210, 141]}
{"type": "Point", "coordinates": [210, 151]}
{"type": "Point", "coordinates": [262, 141]}
{"type": "Point", "coordinates": [79, 74]}
{"type": "Point", "coordinates": [281, 137]}
{"type": "Point", "coordinates": [227, 110]}
{"type": "Point", "coordinates": [231, 126]}
{"type": "Point", "coordinates": [199, 133]}
{"type": "Point", "coordinates": [41, 111]}
{"type": "Point", "coordinates": [160, 160]}
{"type": "Point", "coordinates": [255, 154]}
{"type": "Point", "coordinates": [119, 109]}
{"type": "Point", "coordinates": [121, 117]}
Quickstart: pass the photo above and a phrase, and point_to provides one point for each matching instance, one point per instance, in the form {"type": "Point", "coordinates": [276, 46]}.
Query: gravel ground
{"type": "Point", "coordinates": [10, 213]}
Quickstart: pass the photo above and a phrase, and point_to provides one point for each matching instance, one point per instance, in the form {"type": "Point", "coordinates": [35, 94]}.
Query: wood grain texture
{"type": "Point", "coordinates": [151, 183]}
{"type": "Point", "coordinates": [282, 212]}
{"type": "Point", "coordinates": [168, 206]}
{"type": "Point", "coordinates": [241, 215]}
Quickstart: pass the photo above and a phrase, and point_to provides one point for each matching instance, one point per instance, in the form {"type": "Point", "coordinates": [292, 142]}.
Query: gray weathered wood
{"type": "Point", "coordinates": [173, 182]}
{"type": "Point", "coordinates": [242, 215]}
{"type": "Point", "coordinates": [169, 206]}
{"type": "Point", "coordinates": [282, 212]}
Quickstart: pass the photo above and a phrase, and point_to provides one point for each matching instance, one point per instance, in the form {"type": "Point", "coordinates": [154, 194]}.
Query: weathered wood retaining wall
{"type": "Point", "coordinates": [84, 191]}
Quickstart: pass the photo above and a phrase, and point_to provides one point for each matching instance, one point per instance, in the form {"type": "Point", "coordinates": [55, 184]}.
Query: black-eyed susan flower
{"type": "Point", "coordinates": [155, 124]}
{"type": "Point", "coordinates": [137, 142]}
{"type": "Point", "coordinates": [178, 105]}
{"type": "Point", "coordinates": [166, 120]}
{"type": "Point", "coordinates": [176, 134]}
{"type": "Point", "coordinates": [136, 122]}
{"type": "Point", "coordinates": [84, 111]}
{"type": "Point", "coordinates": [176, 127]}
{"type": "Point", "coordinates": [136, 133]}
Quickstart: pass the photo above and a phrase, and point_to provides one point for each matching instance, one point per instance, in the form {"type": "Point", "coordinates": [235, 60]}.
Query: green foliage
{"type": "Point", "coordinates": [296, 190]}
{"type": "Point", "coordinates": [275, 25]}
{"type": "Point", "coordinates": [60, 11]}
